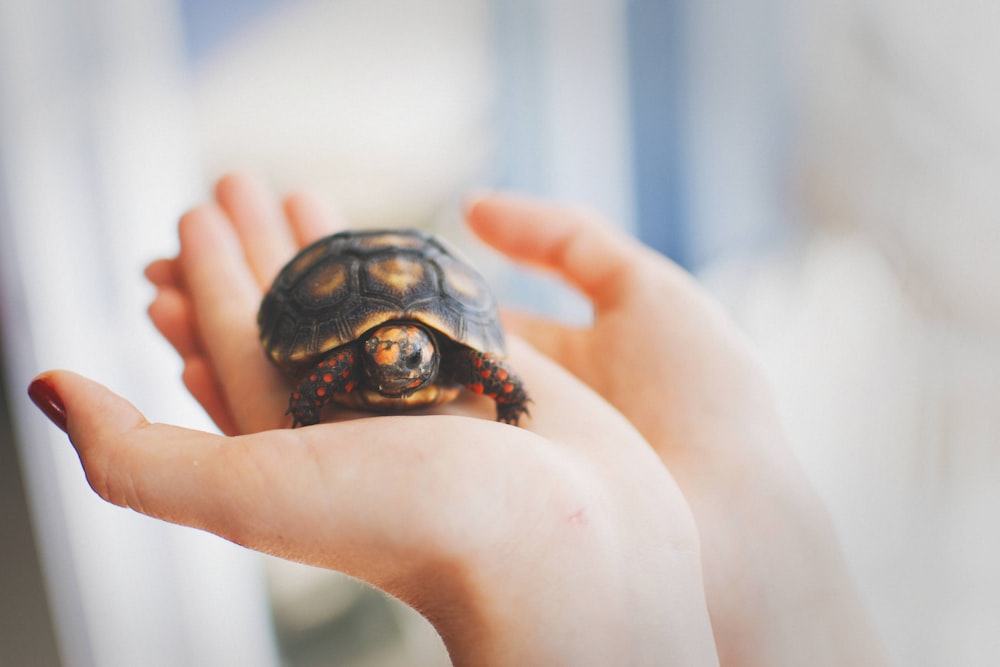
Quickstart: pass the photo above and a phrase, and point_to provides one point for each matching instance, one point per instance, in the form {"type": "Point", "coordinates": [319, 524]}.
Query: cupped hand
{"type": "Point", "coordinates": [664, 353]}
{"type": "Point", "coordinates": [566, 542]}
{"type": "Point", "coordinates": [659, 349]}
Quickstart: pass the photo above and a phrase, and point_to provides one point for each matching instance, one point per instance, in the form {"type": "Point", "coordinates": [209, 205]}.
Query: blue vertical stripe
{"type": "Point", "coordinates": [656, 53]}
{"type": "Point", "coordinates": [518, 156]}
{"type": "Point", "coordinates": [208, 23]}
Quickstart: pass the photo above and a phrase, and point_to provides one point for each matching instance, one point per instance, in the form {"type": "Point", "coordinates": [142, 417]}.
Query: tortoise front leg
{"type": "Point", "coordinates": [487, 374]}
{"type": "Point", "coordinates": [336, 373]}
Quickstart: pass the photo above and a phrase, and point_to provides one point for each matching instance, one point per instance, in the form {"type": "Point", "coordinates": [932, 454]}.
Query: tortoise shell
{"type": "Point", "coordinates": [344, 285]}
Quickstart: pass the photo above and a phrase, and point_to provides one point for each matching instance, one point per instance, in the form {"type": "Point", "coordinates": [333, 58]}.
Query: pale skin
{"type": "Point", "coordinates": [649, 513]}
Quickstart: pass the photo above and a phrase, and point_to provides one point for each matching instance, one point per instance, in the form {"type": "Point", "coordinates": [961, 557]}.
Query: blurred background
{"type": "Point", "coordinates": [831, 170]}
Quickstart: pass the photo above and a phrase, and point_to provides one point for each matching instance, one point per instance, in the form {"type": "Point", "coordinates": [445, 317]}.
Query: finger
{"type": "Point", "coordinates": [200, 380]}
{"type": "Point", "coordinates": [172, 314]}
{"type": "Point", "coordinates": [225, 296]}
{"type": "Point", "coordinates": [259, 224]}
{"type": "Point", "coordinates": [310, 219]}
{"type": "Point", "coordinates": [584, 250]}
{"type": "Point", "coordinates": [164, 273]}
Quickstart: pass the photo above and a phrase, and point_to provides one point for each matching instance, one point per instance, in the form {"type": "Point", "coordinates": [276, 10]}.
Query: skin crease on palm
{"type": "Point", "coordinates": [649, 513]}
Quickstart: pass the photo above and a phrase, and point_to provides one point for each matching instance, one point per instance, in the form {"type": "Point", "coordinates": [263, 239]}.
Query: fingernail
{"type": "Point", "coordinates": [43, 394]}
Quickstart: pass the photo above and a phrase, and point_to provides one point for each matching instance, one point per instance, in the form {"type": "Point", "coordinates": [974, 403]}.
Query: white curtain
{"type": "Point", "coordinates": [881, 323]}
{"type": "Point", "coordinates": [97, 165]}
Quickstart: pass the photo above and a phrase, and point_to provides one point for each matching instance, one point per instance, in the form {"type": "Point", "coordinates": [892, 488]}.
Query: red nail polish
{"type": "Point", "coordinates": [44, 395]}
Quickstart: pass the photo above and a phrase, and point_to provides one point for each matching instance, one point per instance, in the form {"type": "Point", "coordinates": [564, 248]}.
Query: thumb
{"type": "Point", "coordinates": [118, 447]}
{"type": "Point", "coordinates": [249, 489]}
{"type": "Point", "coordinates": [584, 250]}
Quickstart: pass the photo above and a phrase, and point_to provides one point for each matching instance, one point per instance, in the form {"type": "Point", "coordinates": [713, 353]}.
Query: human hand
{"type": "Point", "coordinates": [566, 542]}
{"type": "Point", "coordinates": [662, 352]}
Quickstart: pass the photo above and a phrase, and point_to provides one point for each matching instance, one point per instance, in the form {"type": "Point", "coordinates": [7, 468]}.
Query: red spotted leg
{"type": "Point", "coordinates": [488, 374]}
{"type": "Point", "coordinates": [334, 374]}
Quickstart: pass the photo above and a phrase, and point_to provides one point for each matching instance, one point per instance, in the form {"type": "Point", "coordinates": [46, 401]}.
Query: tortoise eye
{"type": "Point", "coordinates": [414, 359]}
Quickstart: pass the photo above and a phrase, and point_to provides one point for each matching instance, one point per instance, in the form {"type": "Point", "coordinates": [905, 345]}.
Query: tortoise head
{"type": "Point", "coordinates": [399, 358]}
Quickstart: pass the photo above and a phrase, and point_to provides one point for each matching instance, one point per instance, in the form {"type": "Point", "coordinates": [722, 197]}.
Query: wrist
{"type": "Point", "coordinates": [585, 588]}
{"type": "Point", "coordinates": [788, 588]}
{"type": "Point", "coordinates": [601, 620]}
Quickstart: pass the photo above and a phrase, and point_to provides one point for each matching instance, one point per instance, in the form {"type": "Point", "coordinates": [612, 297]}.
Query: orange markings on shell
{"type": "Point", "coordinates": [328, 378]}
{"type": "Point", "coordinates": [326, 281]}
{"type": "Point", "coordinates": [476, 388]}
{"type": "Point", "coordinates": [398, 273]}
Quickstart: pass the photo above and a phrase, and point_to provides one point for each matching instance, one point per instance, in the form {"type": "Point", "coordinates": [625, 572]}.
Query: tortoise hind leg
{"type": "Point", "coordinates": [487, 374]}
{"type": "Point", "coordinates": [334, 374]}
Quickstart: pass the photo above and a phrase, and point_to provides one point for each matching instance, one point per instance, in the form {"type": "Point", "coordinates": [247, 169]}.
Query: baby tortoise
{"type": "Point", "coordinates": [386, 320]}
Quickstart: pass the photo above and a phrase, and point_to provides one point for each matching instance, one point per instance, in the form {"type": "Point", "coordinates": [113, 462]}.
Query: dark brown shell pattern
{"type": "Point", "coordinates": [345, 284]}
